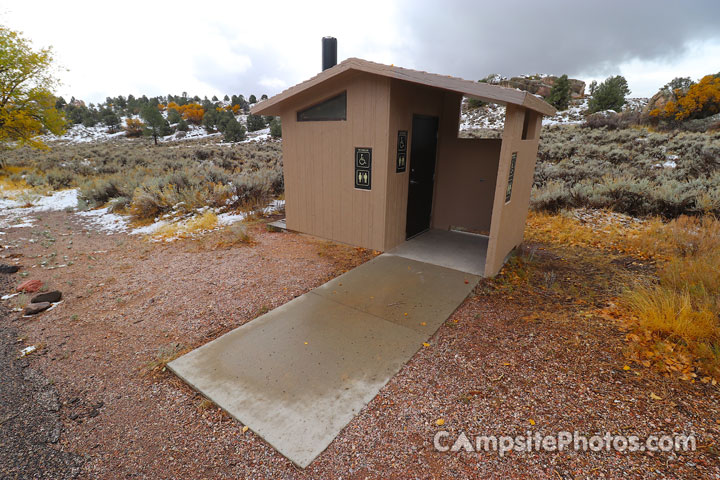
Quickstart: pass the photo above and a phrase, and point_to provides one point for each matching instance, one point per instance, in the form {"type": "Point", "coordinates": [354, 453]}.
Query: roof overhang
{"type": "Point", "coordinates": [480, 91]}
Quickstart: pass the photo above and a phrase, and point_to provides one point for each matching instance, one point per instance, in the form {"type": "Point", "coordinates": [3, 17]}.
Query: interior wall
{"type": "Point", "coordinates": [465, 176]}
{"type": "Point", "coordinates": [508, 218]}
{"type": "Point", "coordinates": [406, 99]}
{"type": "Point", "coordinates": [318, 163]}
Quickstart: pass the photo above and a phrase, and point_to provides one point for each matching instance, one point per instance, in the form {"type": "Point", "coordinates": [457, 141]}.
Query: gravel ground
{"type": "Point", "coordinates": [30, 424]}
{"type": "Point", "coordinates": [491, 369]}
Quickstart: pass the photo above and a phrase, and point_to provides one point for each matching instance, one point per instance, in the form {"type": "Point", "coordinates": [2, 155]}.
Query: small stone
{"type": "Point", "coordinates": [33, 308]}
{"type": "Point", "coordinates": [4, 268]}
{"type": "Point", "coordinates": [51, 297]}
{"type": "Point", "coordinates": [30, 286]}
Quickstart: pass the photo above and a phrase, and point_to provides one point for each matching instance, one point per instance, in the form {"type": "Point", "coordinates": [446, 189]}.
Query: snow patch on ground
{"type": "Point", "coordinates": [230, 218]}
{"type": "Point", "coordinates": [79, 133]}
{"type": "Point", "coordinates": [573, 115]}
{"type": "Point", "coordinates": [17, 212]}
{"type": "Point", "coordinates": [492, 116]}
{"type": "Point", "coordinates": [149, 229]}
{"type": "Point", "coordinates": [101, 219]}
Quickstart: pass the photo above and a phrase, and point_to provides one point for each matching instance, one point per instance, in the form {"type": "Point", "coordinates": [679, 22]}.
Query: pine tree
{"type": "Point", "coordinates": [252, 99]}
{"type": "Point", "coordinates": [209, 120]}
{"type": "Point", "coordinates": [592, 87]}
{"type": "Point", "coordinates": [560, 93]}
{"type": "Point", "coordinates": [156, 123]}
{"type": "Point", "coordinates": [255, 122]}
{"type": "Point", "coordinates": [276, 128]}
{"type": "Point", "coordinates": [110, 119]}
{"type": "Point", "coordinates": [609, 95]}
{"type": "Point", "coordinates": [234, 132]}
{"type": "Point", "coordinates": [173, 116]}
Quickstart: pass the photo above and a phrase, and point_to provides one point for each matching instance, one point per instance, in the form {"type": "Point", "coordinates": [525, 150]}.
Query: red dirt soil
{"type": "Point", "coordinates": [488, 370]}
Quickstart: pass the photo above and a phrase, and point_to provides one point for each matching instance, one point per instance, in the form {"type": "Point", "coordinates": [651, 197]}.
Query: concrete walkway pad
{"type": "Point", "coordinates": [391, 286]}
{"type": "Point", "coordinates": [452, 249]}
{"type": "Point", "coordinates": [298, 374]}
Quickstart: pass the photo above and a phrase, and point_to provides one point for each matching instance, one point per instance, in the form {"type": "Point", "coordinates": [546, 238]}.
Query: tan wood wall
{"type": "Point", "coordinates": [318, 160]}
{"type": "Point", "coordinates": [406, 100]}
{"type": "Point", "coordinates": [465, 174]}
{"type": "Point", "coordinates": [318, 163]}
{"type": "Point", "coordinates": [465, 171]}
{"type": "Point", "coordinates": [508, 220]}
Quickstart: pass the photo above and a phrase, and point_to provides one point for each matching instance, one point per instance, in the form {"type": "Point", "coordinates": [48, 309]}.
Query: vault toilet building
{"type": "Point", "coordinates": [372, 158]}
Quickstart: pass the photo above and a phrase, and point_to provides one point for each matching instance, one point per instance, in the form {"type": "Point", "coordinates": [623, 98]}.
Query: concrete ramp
{"type": "Point", "coordinates": [298, 374]}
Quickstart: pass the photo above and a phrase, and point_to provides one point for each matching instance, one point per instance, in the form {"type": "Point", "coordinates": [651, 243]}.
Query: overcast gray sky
{"type": "Point", "coordinates": [214, 47]}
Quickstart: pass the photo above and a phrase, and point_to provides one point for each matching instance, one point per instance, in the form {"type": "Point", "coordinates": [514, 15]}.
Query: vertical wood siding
{"type": "Point", "coordinates": [508, 219]}
{"type": "Point", "coordinates": [318, 163]}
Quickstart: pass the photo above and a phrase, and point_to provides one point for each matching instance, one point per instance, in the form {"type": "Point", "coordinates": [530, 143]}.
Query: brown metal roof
{"type": "Point", "coordinates": [481, 91]}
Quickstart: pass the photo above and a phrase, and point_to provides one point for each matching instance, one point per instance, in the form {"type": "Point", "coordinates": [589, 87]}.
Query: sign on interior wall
{"type": "Point", "coordinates": [401, 151]}
{"type": "Point", "coordinates": [363, 164]}
{"type": "Point", "coordinates": [511, 176]}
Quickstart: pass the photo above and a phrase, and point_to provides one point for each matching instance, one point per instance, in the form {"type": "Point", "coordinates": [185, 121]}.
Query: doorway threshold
{"type": "Point", "coordinates": [462, 251]}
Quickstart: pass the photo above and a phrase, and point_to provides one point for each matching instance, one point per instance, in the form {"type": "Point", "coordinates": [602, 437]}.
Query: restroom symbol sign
{"type": "Point", "coordinates": [363, 178]}
{"type": "Point", "coordinates": [401, 163]}
{"type": "Point", "coordinates": [363, 168]}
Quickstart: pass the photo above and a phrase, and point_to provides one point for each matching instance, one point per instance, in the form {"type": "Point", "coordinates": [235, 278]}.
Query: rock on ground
{"type": "Point", "coordinates": [30, 286]}
{"type": "Point", "coordinates": [51, 297]}
{"type": "Point", "coordinates": [36, 307]}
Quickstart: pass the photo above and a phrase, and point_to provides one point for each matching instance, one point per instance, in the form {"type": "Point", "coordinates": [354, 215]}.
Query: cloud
{"type": "Point", "coordinates": [273, 83]}
{"type": "Point", "coordinates": [218, 47]}
{"type": "Point", "coordinates": [472, 39]}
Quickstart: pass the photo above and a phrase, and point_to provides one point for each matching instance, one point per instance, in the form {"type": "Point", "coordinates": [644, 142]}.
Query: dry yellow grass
{"type": "Point", "coordinates": [187, 228]}
{"type": "Point", "coordinates": [675, 314]}
{"type": "Point", "coordinates": [9, 184]}
{"type": "Point", "coordinates": [683, 306]}
{"type": "Point", "coordinates": [680, 305]}
{"type": "Point", "coordinates": [567, 230]}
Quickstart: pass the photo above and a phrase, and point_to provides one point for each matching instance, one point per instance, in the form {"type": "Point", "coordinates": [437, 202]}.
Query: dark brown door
{"type": "Point", "coordinates": [422, 174]}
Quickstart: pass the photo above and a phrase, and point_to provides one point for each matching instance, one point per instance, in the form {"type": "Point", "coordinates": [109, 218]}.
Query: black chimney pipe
{"type": "Point", "coordinates": [329, 52]}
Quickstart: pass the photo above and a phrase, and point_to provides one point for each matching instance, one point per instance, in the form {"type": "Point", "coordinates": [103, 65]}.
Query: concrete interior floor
{"type": "Point", "coordinates": [298, 374]}
{"type": "Point", "coordinates": [447, 248]}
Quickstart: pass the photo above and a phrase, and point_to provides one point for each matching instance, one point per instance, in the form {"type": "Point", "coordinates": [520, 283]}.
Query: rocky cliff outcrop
{"type": "Point", "coordinates": [540, 85]}
{"type": "Point", "coordinates": [659, 100]}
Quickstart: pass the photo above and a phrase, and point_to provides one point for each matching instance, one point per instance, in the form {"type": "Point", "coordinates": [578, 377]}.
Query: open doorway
{"type": "Point", "coordinates": [423, 149]}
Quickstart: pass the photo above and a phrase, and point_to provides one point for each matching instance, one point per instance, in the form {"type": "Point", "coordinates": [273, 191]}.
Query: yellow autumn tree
{"type": "Point", "coordinates": [701, 100]}
{"type": "Point", "coordinates": [133, 127]}
{"type": "Point", "coordinates": [27, 103]}
{"type": "Point", "coordinates": [192, 112]}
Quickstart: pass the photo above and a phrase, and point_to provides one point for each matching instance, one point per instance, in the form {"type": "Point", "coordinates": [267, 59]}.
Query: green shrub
{"type": "Point", "coordinates": [234, 132]}
{"type": "Point", "coordinates": [276, 128]}
{"type": "Point", "coordinates": [58, 178]}
{"type": "Point", "coordinates": [559, 96]}
{"type": "Point", "coordinates": [255, 122]}
{"type": "Point", "coordinates": [475, 103]}
{"type": "Point", "coordinates": [609, 95]}
{"type": "Point", "coordinates": [173, 116]}
{"type": "Point", "coordinates": [628, 170]}
{"type": "Point", "coordinates": [35, 180]}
